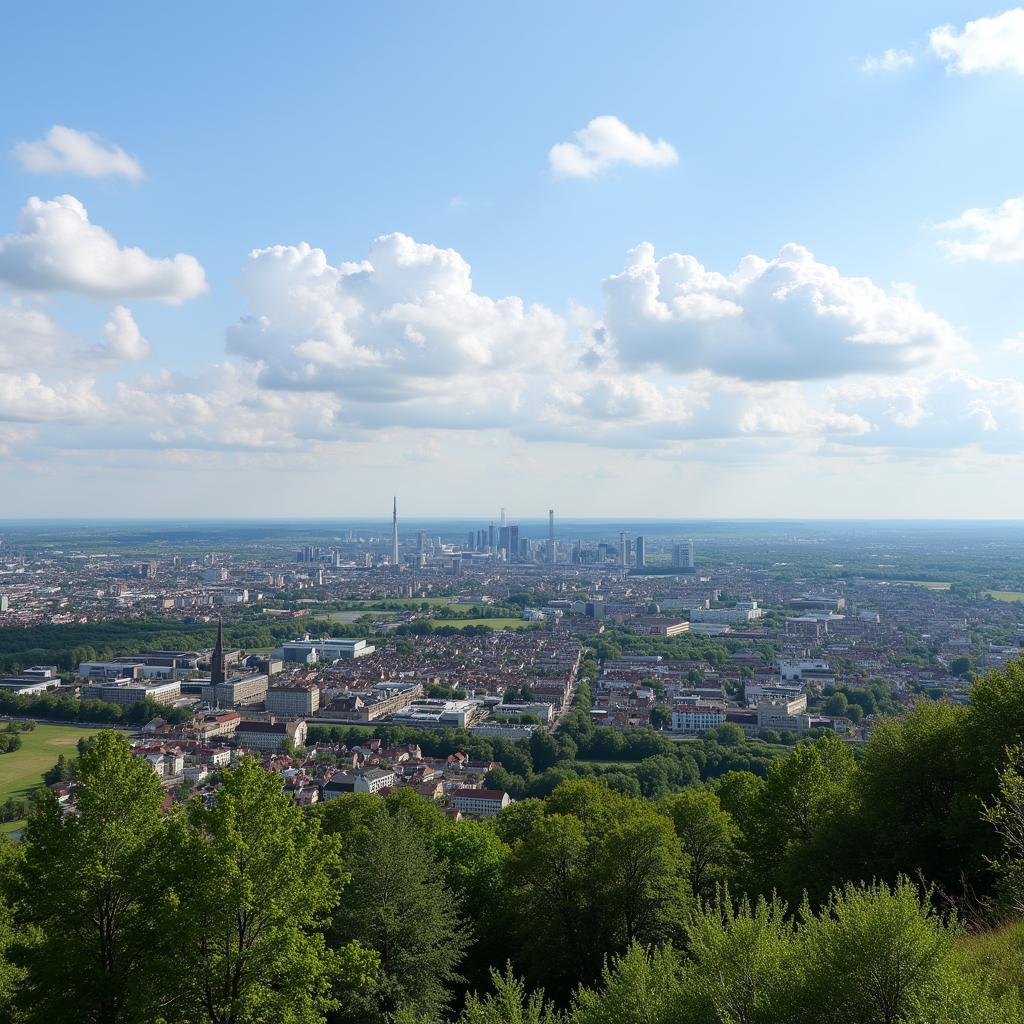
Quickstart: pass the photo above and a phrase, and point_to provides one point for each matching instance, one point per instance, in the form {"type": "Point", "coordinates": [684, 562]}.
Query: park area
{"type": "Point", "coordinates": [22, 770]}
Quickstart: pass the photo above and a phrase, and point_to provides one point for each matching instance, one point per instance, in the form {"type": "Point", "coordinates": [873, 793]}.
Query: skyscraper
{"type": "Point", "coordinates": [394, 532]}
{"type": "Point", "coordinates": [622, 549]}
{"type": "Point", "coordinates": [689, 553]}
{"type": "Point", "coordinates": [641, 552]}
{"type": "Point", "coordinates": [551, 536]}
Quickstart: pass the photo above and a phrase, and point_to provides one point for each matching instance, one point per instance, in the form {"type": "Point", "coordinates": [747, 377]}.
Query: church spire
{"type": "Point", "coordinates": [217, 663]}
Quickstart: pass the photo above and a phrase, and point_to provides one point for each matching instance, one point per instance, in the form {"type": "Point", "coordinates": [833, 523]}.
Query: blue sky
{"type": "Point", "coordinates": [254, 126]}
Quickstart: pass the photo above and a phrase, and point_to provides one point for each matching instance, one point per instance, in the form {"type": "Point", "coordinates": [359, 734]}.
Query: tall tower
{"type": "Point", "coordinates": [641, 552]}
{"type": "Point", "coordinates": [551, 536]}
{"type": "Point", "coordinates": [394, 532]}
{"type": "Point", "coordinates": [504, 522]}
{"type": "Point", "coordinates": [689, 553]}
{"type": "Point", "coordinates": [622, 549]}
{"type": "Point", "coordinates": [217, 662]}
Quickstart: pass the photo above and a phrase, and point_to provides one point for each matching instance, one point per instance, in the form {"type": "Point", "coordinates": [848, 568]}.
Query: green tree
{"type": "Point", "coordinates": [640, 874]}
{"type": "Point", "coordinates": [552, 889]}
{"type": "Point", "coordinates": [93, 892]}
{"type": "Point", "coordinates": [740, 967]}
{"type": "Point", "coordinates": [880, 955]}
{"type": "Point", "coordinates": [640, 987]}
{"type": "Point", "coordinates": [258, 883]}
{"type": "Point", "coordinates": [660, 717]}
{"type": "Point", "coordinates": [509, 1003]}
{"type": "Point", "coordinates": [708, 834]}
{"type": "Point", "coordinates": [398, 905]}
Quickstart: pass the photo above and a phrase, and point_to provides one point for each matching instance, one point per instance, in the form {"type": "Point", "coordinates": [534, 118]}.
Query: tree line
{"type": "Point", "coordinates": [587, 907]}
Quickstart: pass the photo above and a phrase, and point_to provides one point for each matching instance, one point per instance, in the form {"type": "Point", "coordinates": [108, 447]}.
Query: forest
{"type": "Point", "coordinates": [885, 888]}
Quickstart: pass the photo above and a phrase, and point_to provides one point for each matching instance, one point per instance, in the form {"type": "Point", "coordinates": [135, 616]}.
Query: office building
{"type": "Point", "coordinates": [641, 552]}
{"type": "Point", "coordinates": [309, 650]}
{"type": "Point", "coordinates": [299, 701]}
{"type": "Point", "coordinates": [551, 536]}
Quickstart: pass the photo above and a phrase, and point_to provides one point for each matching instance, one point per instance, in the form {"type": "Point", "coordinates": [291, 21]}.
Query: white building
{"type": "Point", "coordinates": [309, 651]}
{"type": "Point", "coordinates": [480, 803]}
{"type": "Point", "coordinates": [369, 780]}
{"type": "Point", "coordinates": [270, 735]}
{"type": "Point", "coordinates": [130, 691]}
{"type": "Point", "coordinates": [697, 720]}
{"type": "Point", "coordinates": [301, 700]}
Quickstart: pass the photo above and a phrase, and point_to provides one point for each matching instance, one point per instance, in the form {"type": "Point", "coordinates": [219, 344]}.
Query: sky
{"type": "Point", "coordinates": [681, 259]}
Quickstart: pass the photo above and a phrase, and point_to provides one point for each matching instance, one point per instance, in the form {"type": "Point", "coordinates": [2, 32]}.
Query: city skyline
{"type": "Point", "coordinates": [505, 279]}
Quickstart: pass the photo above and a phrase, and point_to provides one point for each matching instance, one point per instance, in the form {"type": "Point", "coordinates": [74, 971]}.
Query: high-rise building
{"type": "Point", "coordinates": [551, 536]}
{"type": "Point", "coordinates": [490, 537]}
{"type": "Point", "coordinates": [470, 541]}
{"type": "Point", "coordinates": [421, 541]}
{"type": "Point", "coordinates": [513, 542]}
{"type": "Point", "coordinates": [641, 552]}
{"type": "Point", "coordinates": [689, 553]}
{"type": "Point", "coordinates": [394, 532]}
{"type": "Point", "coordinates": [622, 549]}
{"type": "Point", "coordinates": [503, 520]}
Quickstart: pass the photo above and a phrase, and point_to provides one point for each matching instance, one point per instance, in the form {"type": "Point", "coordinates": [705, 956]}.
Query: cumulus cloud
{"type": "Point", "coordinates": [124, 341]}
{"type": "Point", "coordinates": [630, 411]}
{"type": "Point", "coordinates": [606, 142]}
{"type": "Point", "coordinates": [996, 235]}
{"type": "Point", "coordinates": [28, 398]}
{"type": "Point", "coordinates": [387, 327]}
{"type": "Point", "coordinates": [890, 60]}
{"type": "Point", "coordinates": [947, 411]}
{"type": "Point", "coordinates": [787, 318]}
{"type": "Point", "coordinates": [57, 248]}
{"type": "Point", "coordinates": [69, 151]}
{"type": "Point", "coordinates": [29, 338]}
{"type": "Point", "coordinates": [983, 45]}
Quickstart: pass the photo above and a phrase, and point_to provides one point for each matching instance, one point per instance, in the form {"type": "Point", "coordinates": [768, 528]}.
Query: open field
{"type": "Point", "coordinates": [1004, 595]}
{"type": "Point", "coordinates": [499, 623]}
{"type": "Point", "coordinates": [927, 584]}
{"type": "Point", "coordinates": [359, 613]}
{"type": "Point", "coordinates": [22, 771]}
{"type": "Point", "coordinates": [406, 602]}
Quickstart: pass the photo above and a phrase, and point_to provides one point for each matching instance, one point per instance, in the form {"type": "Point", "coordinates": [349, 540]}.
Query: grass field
{"type": "Point", "coordinates": [22, 771]}
{"type": "Point", "coordinates": [406, 602]}
{"type": "Point", "coordinates": [1004, 595]}
{"type": "Point", "coordinates": [493, 623]}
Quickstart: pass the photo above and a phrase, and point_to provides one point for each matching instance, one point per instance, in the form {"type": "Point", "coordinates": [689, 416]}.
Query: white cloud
{"type": "Point", "coordinates": [788, 318]}
{"type": "Point", "coordinates": [28, 398]}
{"type": "Point", "coordinates": [605, 142]}
{"type": "Point", "coordinates": [388, 328]}
{"type": "Point", "coordinates": [890, 60]}
{"type": "Point", "coordinates": [124, 341]}
{"type": "Point", "coordinates": [948, 411]}
{"type": "Point", "coordinates": [29, 338]}
{"type": "Point", "coordinates": [987, 44]}
{"type": "Point", "coordinates": [67, 150]}
{"type": "Point", "coordinates": [56, 248]}
{"type": "Point", "coordinates": [997, 234]}
{"type": "Point", "coordinates": [1014, 345]}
